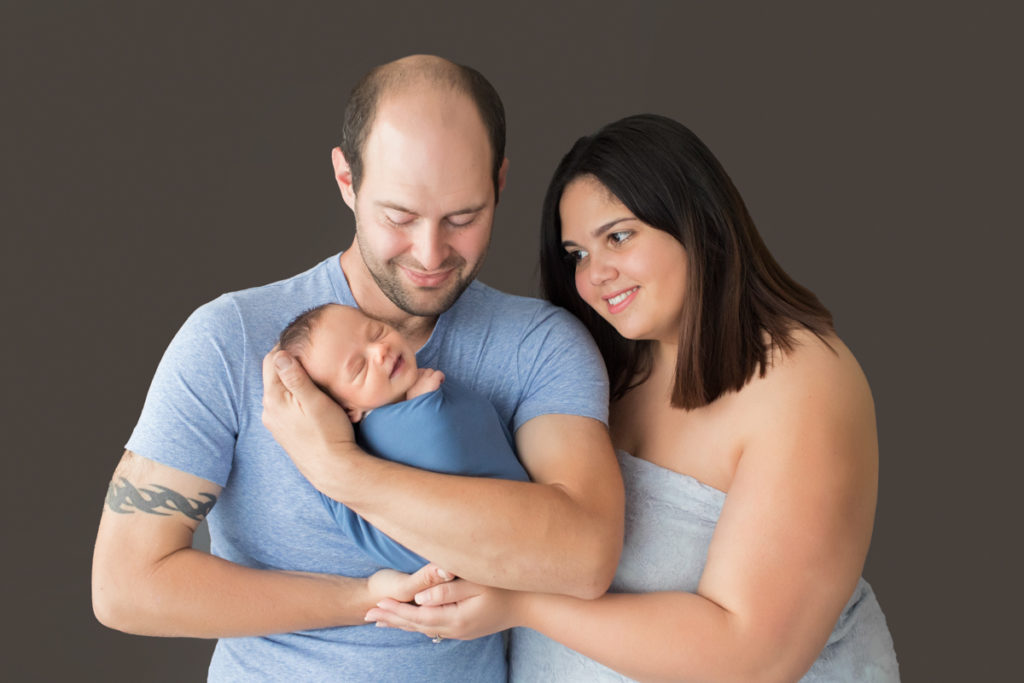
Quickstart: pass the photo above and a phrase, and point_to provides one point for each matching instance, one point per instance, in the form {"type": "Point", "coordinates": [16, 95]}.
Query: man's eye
{"type": "Point", "coordinates": [461, 221]}
{"type": "Point", "coordinates": [398, 218]}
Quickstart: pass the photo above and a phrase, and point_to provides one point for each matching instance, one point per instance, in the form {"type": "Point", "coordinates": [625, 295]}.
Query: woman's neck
{"type": "Point", "coordinates": [664, 357]}
{"type": "Point", "coordinates": [661, 379]}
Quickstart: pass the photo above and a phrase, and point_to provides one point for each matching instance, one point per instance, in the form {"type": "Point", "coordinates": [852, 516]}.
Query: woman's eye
{"type": "Point", "coordinates": [575, 255]}
{"type": "Point", "coordinates": [620, 236]}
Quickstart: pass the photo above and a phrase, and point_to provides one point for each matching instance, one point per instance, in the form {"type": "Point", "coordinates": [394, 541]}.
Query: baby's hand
{"type": "Point", "coordinates": [428, 380]}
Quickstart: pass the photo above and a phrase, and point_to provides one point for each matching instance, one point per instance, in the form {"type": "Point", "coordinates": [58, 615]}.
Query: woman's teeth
{"type": "Point", "coordinates": [619, 298]}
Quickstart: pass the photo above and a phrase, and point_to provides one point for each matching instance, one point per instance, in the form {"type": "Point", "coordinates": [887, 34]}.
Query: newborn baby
{"type": "Point", "coordinates": [404, 413]}
{"type": "Point", "coordinates": [360, 362]}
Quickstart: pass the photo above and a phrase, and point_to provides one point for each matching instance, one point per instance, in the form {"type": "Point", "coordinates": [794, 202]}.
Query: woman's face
{"type": "Point", "coordinates": [633, 275]}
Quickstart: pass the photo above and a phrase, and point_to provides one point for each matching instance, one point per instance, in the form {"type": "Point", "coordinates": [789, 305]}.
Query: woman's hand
{"type": "Point", "coordinates": [305, 421]}
{"type": "Point", "coordinates": [459, 609]}
{"type": "Point", "coordinates": [388, 584]}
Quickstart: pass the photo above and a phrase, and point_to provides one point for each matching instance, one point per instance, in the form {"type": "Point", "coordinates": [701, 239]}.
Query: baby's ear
{"type": "Point", "coordinates": [354, 414]}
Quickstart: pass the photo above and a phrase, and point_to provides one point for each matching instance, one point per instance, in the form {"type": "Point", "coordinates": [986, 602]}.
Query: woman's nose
{"type": "Point", "coordinates": [601, 270]}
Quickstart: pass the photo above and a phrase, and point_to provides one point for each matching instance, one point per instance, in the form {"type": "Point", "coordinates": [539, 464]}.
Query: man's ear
{"type": "Point", "coordinates": [354, 414]}
{"type": "Point", "coordinates": [343, 176]}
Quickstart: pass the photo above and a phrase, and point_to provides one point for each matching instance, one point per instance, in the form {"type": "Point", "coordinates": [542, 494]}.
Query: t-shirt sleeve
{"type": "Point", "coordinates": [190, 418]}
{"type": "Point", "coordinates": [562, 369]}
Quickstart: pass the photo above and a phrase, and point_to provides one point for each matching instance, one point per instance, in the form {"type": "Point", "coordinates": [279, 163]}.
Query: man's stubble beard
{"type": "Point", "coordinates": [388, 278]}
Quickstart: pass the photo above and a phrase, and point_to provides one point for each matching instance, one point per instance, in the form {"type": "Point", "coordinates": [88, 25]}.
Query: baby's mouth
{"type": "Point", "coordinates": [396, 368]}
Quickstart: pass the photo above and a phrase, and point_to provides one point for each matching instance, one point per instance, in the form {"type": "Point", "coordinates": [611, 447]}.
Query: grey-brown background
{"type": "Point", "coordinates": [158, 154]}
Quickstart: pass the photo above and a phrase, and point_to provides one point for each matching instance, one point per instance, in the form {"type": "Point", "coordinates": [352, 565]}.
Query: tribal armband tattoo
{"type": "Point", "coordinates": [125, 499]}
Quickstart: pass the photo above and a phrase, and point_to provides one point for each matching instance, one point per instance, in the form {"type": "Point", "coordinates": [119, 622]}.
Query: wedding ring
{"type": "Point", "coordinates": [437, 639]}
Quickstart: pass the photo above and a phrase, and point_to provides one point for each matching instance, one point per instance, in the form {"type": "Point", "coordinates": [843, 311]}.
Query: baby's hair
{"type": "Point", "coordinates": [295, 336]}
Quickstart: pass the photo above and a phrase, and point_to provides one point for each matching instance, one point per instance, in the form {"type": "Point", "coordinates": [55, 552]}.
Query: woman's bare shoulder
{"type": "Point", "coordinates": [815, 360]}
{"type": "Point", "coordinates": [818, 378]}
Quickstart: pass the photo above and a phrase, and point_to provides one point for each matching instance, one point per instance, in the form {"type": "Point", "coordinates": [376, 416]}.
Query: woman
{"type": "Point", "coordinates": [746, 432]}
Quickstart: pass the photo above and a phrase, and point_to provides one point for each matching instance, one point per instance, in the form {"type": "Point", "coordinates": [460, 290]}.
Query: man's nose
{"type": "Point", "coordinates": [429, 247]}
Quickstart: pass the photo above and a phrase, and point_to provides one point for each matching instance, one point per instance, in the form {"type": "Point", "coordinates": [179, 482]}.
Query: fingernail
{"type": "Point", "coordinates": [419, 598]}
{"type": "Point", "coordinates": [282, 361]}
{"type": "Point", "coordinates": [381, 604]}
{"type": "Point", "coordinates": [443, 574]}
{"type": "Point", "coordinates": [380, 624]}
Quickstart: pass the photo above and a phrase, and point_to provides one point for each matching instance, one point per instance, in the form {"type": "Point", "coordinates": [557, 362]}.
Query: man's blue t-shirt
{"type": "Point", "coordinates": [203, 416]}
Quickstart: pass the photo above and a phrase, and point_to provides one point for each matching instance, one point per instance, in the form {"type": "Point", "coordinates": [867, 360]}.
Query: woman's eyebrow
{"type": "Point", "coordinates": [601, 229]}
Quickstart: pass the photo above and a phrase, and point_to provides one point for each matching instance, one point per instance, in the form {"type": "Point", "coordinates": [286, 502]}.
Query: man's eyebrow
{"type": "Point", "coordinates": [384, 204]}
{"type": "Point", "coordinates": [471, 209]}
{"type": "Point", "coordinates": [601, 229]}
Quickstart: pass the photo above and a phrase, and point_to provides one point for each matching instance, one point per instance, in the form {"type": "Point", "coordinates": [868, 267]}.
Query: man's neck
{"type": "Point", "coordinates": [415, 329]}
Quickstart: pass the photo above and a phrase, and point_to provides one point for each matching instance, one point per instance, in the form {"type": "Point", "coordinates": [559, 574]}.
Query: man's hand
{"type": "Point", "coordinates": [305, 421]}
{"type": "Point", "coordinates": [459, 609]}
{"type": "Point", "coordinates": [428, 380]}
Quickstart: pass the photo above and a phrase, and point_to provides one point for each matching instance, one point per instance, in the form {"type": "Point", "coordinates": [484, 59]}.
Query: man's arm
{"type": "Point", "coordinates": [562, 532]}
{"type": "Point", "coordinates": [147, 579]}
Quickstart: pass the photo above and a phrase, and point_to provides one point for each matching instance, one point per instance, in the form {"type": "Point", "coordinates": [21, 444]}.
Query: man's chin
{"type": "Point", "coordinates": [427, 303]}
{"type": "Point", "coordinates": [414, 299]}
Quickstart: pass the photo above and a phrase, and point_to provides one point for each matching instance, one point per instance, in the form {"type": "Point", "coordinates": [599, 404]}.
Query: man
{"type": "Point", "coordinates": [421, 165]}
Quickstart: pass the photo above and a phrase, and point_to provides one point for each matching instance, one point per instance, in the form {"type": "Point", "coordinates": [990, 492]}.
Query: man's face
{"type": "Point", "coordinates": [426, 202]}
{"type": "Point", "coordinates": [361, 362]}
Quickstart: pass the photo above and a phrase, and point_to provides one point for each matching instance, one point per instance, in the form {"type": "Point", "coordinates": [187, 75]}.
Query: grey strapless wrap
{"type": "Point", "coordinates": [670, 518]}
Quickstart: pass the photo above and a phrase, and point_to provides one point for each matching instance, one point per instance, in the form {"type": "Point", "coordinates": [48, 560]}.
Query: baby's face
{"type": "Point", "coordinates": [363, 363]}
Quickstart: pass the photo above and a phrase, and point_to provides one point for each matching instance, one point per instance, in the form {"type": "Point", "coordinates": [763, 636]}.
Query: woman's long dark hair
{"type": "Point", "coordinates": [736, 294]}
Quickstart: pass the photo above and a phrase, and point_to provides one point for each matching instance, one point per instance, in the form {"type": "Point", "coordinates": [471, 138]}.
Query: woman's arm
{"type": "Point", "coordinates": [785, 557]}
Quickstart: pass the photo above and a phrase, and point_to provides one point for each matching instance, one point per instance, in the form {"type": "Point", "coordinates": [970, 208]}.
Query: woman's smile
{"type": "Point", "coordinates": [619, 302]}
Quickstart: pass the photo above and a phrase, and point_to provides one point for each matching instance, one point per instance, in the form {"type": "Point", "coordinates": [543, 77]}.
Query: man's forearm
{"type": "Point", "coordinates": [195, 594]}
{"type": "Point", "coordinates": [522, 536]}
{"type": "Point", "coordinates": [147, 578]}
{"type": "Point", "coordinates": [561, 533]}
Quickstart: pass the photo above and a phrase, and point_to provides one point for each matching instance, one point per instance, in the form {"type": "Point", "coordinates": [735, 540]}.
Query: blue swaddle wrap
{"type": "Point", "coordinates": [454, 430]}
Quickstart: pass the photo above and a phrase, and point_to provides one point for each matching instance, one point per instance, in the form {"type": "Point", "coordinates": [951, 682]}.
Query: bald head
{"type": "Point", "coordinates": [420, 74]}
